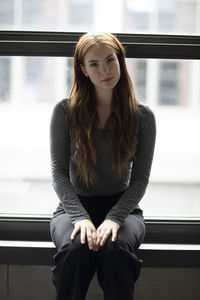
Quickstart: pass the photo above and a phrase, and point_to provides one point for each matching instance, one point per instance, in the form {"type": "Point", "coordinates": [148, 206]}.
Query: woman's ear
{"type": "Point", "coordinates": [83, 69]}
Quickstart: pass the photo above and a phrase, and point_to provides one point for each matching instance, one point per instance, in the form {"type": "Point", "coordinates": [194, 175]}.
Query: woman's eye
{"type": "Point", "coordinates": [94, 65]}
{"type": "Point", "coordinates": [110, 59]}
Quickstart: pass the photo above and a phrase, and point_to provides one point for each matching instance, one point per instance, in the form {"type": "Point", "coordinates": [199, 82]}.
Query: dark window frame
{"type": "Point", "coordinates": [38, 43]}
{"type": "Point", "coordinates": [61, 44]}
{"type": "Point", "coordinates": [166, 232]}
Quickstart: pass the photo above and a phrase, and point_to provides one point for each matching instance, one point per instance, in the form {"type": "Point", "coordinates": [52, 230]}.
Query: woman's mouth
{"type": "Point", "coordinates": [107, 79]}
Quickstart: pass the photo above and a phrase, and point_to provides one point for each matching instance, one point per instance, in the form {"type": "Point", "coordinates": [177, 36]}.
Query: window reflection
{"type": "Point", "coordinates": [144, 16]}
{"type": "Point", "coordinates": [29, 89]}
{"type": "Point", "coordinates": [6, 14]}
{"type": "Point", "coordinates": [169, 83]}
{"type": "Point", "coordinates": [83, 14]}
{"type": "Point", "coordinates": [4, 79]}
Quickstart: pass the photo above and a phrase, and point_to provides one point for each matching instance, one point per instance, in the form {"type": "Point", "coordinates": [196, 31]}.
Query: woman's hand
{"type": "Point", "coordinates": [87, 230]}
{"type": "Point", "coordinates": [107, 228]}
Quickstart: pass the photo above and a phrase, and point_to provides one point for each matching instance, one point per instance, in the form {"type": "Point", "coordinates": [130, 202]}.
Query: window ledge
{"type": "Point", "coordinates": [153, 255]}
{"type": "Point", "coordinates": [143, 247]}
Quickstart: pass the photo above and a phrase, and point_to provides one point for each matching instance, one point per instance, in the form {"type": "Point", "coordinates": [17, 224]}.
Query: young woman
{"type": "Point", "coordinates": [102, 144]}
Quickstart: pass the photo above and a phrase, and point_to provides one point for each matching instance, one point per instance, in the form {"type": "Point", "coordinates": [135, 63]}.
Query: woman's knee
{"type": "Point", "coordinates": [77, 247]}
{"type": "Point", "coordinates": [131, 234]}
{"type": "Point", "coordinates": [110, 249]}
{"type": "Point", "coordinates": [113, 249]}
{"type": "Point", "coordinates": [60, 230]}
{"type": "Point", "coordinates": [71, 250]}
{"type": "Point", "coordinates": [118, 256]}
{"type": "Point", "coordinates": [129, 237]}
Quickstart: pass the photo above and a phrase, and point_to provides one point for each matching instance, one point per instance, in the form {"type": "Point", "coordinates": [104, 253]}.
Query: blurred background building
{"type": "Point", "coordinates": [30, 87]}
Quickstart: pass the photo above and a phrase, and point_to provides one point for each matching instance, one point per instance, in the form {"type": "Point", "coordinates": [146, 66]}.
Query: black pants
{"type": "Point", "coordinates": [116, 263]}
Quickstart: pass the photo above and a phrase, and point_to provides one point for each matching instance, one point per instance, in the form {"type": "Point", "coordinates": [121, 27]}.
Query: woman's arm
{"type": "Point", "coordinates": [60, 157]}
{"type": "Point", "coordinates": [140, 170]}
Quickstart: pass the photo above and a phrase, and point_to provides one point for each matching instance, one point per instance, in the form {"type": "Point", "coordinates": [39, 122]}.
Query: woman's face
{"type": "Point", "coordinates": [101, 65]}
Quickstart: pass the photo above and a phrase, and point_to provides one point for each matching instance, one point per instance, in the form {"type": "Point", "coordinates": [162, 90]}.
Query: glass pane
{"type": "Point", "coordinates": [29, 89]}
{"type": "Point", "coordinates": [144, 16]}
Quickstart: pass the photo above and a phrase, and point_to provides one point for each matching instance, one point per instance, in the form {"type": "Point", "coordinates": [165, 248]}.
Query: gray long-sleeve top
{"type": "Point", "coordinates": [67, 184]}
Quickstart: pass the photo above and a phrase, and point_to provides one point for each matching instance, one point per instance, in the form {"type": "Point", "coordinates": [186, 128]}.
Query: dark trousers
{"type": "Point", "coordinates": [116, 263]}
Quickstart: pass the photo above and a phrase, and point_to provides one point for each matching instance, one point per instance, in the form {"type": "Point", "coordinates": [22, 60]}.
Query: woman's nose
{"type": "Point", "coordinates": [104, 68]}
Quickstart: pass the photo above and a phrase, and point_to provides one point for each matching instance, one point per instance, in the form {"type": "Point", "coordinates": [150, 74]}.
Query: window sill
{"type": "Point", "coordinates": [153, 255]}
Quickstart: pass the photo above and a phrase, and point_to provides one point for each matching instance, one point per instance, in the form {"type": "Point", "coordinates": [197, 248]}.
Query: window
{"type": "Point", "coordinates": [144, 16]}
{"type": "Point", "coordinates": [31, 85]}
{"type": "Point", "coordinates": [138, 71]}
{"type": "Point", "coordinates": [168, 83]}
{"type": "Point", "coordinates": [6, 14]}
{"type": "Point", "coordinates": [85, 18]}
{"type": "Point", "coordinates": [24, 129]}
{"type": "Point", "coordinates": [24, 123]}
{"type": "Point", "coordinates": [4, 79]}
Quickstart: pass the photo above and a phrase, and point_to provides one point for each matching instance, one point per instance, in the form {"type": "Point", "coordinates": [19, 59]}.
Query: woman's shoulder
{"type": "Point", "coordinates": [144, 110]}
{"type": "Point", "coordinates": [60, 111]}
{"type": "Point", "coordinates": [146, 114]}
{"type": "Point", "coordinates": [61, 108]}
{"type": "Point", "coordinates": [62, 105]}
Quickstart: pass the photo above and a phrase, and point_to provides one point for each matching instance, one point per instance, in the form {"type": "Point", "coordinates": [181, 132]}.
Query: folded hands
{"type": "Point", "coordinates": [95, 237]}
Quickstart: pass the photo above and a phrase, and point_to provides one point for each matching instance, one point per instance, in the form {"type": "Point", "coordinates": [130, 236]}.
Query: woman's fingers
{"type": "Point", "coordinates": [114, 234]}
{"type": "Point", "coordinates": [82, 237]}
{"type": "Point", "coordinates": [95, 238]}
{"type": "Point", "coordinates": [87, 232]}
{"type": "Point", "coordinates": [105, 237]}
{"type": "Point", "coordinates": [74, 232]}
{"type": "Point", "coordinates": [107, 228]}
{"type": "Point", "coordinates": [90, 239]}
{"type": "Point", "coordinates": [100, 234]}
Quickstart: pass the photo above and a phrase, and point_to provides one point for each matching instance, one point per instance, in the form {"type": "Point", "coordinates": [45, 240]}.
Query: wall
{"type": "Point", "coordinates": [19, 282]}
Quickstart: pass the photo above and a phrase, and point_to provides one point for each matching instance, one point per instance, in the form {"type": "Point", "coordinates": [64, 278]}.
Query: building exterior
{"type": "Point", "coordinates": [30, 87]}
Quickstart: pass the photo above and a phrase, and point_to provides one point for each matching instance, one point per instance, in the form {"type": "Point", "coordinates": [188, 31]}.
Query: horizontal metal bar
{"type": "Point", "coordinates": [170, 258]}
{"type": "Point", "coordinates": [66, 49]}
{"type": "Point", "coordinates": [27, 43]}
{"type": "Point", "coordinates": [154, 256]}
{"type": "Point", "coordinates": [74, 36]}
{"type": "Point", "coordinates": [143, 246]}
{"type": "Point", "coordinates": [168, 247]}
{"type": "Point", "coordinates": [174, 232]}
{"type": "Point", "coordinates": [26, 244]}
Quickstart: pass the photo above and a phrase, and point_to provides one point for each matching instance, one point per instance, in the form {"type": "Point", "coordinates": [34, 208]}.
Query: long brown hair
{"type": "Point", "coordinates": [123, 120]}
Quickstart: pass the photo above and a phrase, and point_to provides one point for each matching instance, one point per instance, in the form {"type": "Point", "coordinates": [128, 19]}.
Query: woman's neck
{"type": "Point", "coordinates": [104, 99]}
{"type": "Point", "coordinates": [103, 108]}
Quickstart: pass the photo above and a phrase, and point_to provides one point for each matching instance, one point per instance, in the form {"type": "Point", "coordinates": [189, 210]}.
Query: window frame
{"type": "Point", "coordinates": [61, 44]}
{"type": "Point", "coordinates": [166, 233]}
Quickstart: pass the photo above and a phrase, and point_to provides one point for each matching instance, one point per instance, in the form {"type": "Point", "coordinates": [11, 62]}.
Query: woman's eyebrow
{"type": "Point", "coordinates": [92, 60]}
{"type": "Point", "coordinates": [96, 60]}
{"type": "Point", "coordinates": [110, 55]}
